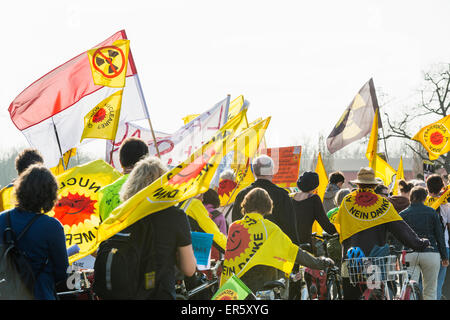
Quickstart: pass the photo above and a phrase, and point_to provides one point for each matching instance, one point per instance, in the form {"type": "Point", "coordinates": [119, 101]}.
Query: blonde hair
{"type": "Point", "coordinates": [143, 174]}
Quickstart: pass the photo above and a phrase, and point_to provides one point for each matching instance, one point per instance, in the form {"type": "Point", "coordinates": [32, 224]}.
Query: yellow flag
{"type": "Point", "coordinates": [102, 121]}
{"type": "Point", "coordinates": [256, 241]}
{"type": "Point", "coordinates": [363, 209]}
{"type": "Point", "coordinates": [235, 107]}
{"type": "Point", "coordinates": [183, 182]}
{"type": "Point", "coordinates": [109, 64]}
{"type": "Point", "coordinates": [382, 170]}
{"type": "Point", "coordinates": [372, 146]}
{"type": "Point", "coordinates": [435, 138]}
{"type": "Point", "coordinates": [7, 198]}
{"type": "Point", "coordinates": [399, 176]}
{"type": "Point", "coordinates": [435, 202]}
{"type": "Point", "coordinates": [77, 206]}
{"type": "Point", "coordinates": [195, 209]}
{"type": "Point", "coordinates": [323, 182]}
{"type": "Point", "coordinates": [66, 157]}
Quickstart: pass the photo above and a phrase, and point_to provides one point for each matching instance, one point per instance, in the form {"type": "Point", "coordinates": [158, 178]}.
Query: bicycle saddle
{"type": "Point", "coordinates": [269, 285]}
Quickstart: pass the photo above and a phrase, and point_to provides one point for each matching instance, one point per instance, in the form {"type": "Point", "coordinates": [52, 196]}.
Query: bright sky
{"type": "Point", "coordinates": [300, 62]}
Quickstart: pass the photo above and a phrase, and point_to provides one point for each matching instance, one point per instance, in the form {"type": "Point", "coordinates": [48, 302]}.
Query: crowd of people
{"type": "Point", "coordinates": [404, 221]}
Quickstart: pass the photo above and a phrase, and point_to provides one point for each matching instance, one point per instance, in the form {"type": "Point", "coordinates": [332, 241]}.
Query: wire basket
{"type": "Point", "coordinates": [374, 269]}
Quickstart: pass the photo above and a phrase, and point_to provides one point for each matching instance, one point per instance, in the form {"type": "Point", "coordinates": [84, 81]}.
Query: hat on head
{"type": "Point", "coordinates": [366, 176]}
{"type": "Point", "coordinates": [308, 181]}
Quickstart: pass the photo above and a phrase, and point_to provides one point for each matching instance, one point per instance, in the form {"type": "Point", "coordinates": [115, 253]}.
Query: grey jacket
{"type": "Point", "coordinates": [328, 198]}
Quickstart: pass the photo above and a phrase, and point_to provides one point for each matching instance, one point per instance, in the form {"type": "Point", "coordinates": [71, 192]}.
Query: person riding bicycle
{"type": "Point", "coordinates": [364, 219]}
{"type": "Point", "coordinates": [257, 250]}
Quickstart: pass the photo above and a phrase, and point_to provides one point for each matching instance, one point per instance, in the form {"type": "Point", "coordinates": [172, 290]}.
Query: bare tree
{"type": "Point", "coordinates": [434, 100]}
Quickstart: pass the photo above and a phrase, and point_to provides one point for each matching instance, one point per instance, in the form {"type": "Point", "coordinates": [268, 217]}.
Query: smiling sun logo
{"type": "Point", "coordinates": [74, 208]}
{"type": "Point", "coordinates": [238, 241]}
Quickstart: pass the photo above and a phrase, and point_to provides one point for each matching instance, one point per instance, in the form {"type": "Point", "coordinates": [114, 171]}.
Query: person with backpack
{"type": "Point", "coordinates": [139, 262]}
{"type": "Point", "coordinates": [33, 244]}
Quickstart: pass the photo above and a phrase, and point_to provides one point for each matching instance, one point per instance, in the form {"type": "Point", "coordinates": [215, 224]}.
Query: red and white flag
{"type": "Point", "coordinates": [50, 112]}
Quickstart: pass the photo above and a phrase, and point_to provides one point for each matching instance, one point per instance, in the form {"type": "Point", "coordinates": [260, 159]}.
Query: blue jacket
{"type": "Point", "coordinates": [44, 239]}
{"type": "Point", "coordinates": [425, 222]}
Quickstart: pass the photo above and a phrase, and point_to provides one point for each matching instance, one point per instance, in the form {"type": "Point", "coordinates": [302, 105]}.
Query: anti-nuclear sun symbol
{"type": "Point", "coordinates": [73, 209]}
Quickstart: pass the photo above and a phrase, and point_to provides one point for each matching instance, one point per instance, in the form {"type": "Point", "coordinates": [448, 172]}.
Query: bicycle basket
{"type": "Point", "coordinates": [371, 269]}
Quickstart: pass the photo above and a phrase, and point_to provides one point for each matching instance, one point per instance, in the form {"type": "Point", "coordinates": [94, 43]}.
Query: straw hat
{"type": "Point", "coordinates": [366, 176]}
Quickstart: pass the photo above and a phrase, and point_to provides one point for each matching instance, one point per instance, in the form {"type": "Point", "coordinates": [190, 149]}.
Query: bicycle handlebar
{"type": "Point", "coordinates": [325, 236]}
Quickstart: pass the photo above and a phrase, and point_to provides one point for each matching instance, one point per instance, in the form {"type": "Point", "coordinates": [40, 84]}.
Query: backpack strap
{"type": "Point", "coordinates": [14, 240]}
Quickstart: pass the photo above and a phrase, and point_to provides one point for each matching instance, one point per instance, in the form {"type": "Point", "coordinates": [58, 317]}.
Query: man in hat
{"type": "Point", "coordinates": [364, 219]}
{"type": "Point", "coordinates": [283, 211]}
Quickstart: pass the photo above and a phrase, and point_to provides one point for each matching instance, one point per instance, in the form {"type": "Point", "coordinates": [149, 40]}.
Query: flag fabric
{"type": "Point", "coordinates": [400, 175]}
{"type": "Point", "coordinates": [50, 112]}
{"type": "Point", "coordinates": [183, 182]}
{"type": "Point", "coordinates": [236, 106]}
{"type": "Point", "coordinates": [77, 205]}
{"type": "Point", "coordinates": [109, 64]}
{"type": "Point", "coordinates": [254, 241]}
{"type": "Point", "coordinates": [363, 209]}
{"type": "Point", "coordinates": [383, 170]}
{"type": "Point", "coordinates": [233, 289]}
{"type": "Point", "coordinates": [63, 164]}
{"type": "Point", "coordinates": [244, 178]}
{"type": "Point", "coordinates": [323, 182]}
{"type": "Point", "coordinates": [356, 121]}
{"type": "Point", "coordinates": [323, 177]}
{"type": "Point", "coordinates": [435, 202]}
{"type": "Point", "coordinates": [372, 146]}
{"type": "Point", "coordinates": [176, 147]}
{"type": "Point", "coordinates": [7, 198]}
{"type": "Point", "coordinates": [102, 121]}
{"type": "Point", "coordinates": [435, 138]}
{"type": "Point", "coordinates": [195, 209]}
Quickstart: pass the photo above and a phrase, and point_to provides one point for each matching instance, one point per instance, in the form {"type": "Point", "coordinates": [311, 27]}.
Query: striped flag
{"type": "Point", "coordinates": [50, 112]}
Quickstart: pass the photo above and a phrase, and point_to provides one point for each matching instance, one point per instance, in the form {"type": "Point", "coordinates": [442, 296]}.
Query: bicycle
{"type": "Point", "coordinates": [82, 286]}
{"type": "Point", "coordinates": [333, 282]}
{"type": "Point", "coordinates": [208, 286]}
{"type": "Point", "coordinates": [376, 273]}
{"type": "Point", "coordinates": [410, 289]}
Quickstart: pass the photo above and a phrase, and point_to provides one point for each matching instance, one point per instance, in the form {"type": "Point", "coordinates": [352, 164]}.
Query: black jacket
{"type": "Point", "coordinates": [283, 211]}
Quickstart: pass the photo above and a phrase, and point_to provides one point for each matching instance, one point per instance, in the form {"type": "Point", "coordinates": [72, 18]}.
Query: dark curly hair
{"type": "Point", "coordinates": [257, 200]}
{"type": "Point", "coordinates": [211, 197]}
{"type": "Point", "coordinates": [26, 158]}
{"type": "Point", "coordinates": [36, 189]}
{"type": "Point", "coordinates": [404, 186]}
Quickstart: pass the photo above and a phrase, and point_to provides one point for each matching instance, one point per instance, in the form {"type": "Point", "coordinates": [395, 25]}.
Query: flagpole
{"type": "Point", "coordinates": [384, 139]}
{"type": "Point", "coordinates": [59, 145]}
{"type": "Point", "coordinates": [147, 114]}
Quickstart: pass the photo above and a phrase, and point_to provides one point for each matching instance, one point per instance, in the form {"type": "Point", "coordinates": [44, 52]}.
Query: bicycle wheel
{"type": "Point", "coordinates": [412, 292]}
